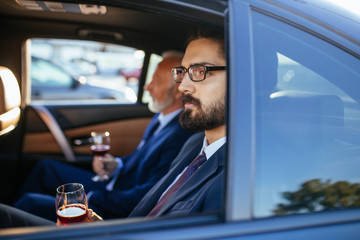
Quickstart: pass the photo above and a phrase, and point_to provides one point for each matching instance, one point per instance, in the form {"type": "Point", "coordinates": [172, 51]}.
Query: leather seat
{"type": "Point", "coordinates": [10, 100]}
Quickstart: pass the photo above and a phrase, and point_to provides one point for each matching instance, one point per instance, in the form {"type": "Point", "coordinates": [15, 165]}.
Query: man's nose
{"type": "Point", "coordinates": [186, 85]}
{"type": "Point", "coordinates": [147, 87]}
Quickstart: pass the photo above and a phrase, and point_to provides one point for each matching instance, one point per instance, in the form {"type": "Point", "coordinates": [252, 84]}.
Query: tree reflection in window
{"type": "Point", "coordinates": [316, 195]}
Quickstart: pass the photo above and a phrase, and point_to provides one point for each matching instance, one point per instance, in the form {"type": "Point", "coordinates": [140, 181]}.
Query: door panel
{"type": "Point", "coordinates": [124, 133]}
{"type": "Point", "coordinates": [125, 123]}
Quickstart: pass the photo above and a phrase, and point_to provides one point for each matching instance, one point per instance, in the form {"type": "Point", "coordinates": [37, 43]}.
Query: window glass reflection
{"type": "Point", "coordinates": [307, 122]}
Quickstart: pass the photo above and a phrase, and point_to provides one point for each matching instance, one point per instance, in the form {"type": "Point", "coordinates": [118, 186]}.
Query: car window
{"type": "Point", "coordinates": [84, 70]}
{"type": "Point", "coordinates": [154, 61]}
{"type": "Point", "coordinates": [307, 122]}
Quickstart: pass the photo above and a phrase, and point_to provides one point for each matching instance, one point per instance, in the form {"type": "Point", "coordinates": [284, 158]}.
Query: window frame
{"type": "Point", "coordinates": [26, 62]}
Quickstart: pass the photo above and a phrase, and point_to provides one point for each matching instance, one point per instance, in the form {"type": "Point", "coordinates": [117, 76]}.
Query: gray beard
{"type": "Point", "coordinates": [156, 107]}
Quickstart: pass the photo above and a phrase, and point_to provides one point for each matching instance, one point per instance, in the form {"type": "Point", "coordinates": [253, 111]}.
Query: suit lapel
{"type": "Point", "coordinates": [151, 198]}
{"type": "Point", "coordinates": [178, 168]}
{"type": "Point", "coordinates": [206, 171]}
{"type": "Point", "coordinates": [150, 126]}
{"type": "Point", "coordinates": [152, 141]}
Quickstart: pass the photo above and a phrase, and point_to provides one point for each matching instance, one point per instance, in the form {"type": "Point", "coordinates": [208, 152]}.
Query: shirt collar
{"type": "Point", "coordinates": [212, 148]}
{"type": "Point", "coordinates": [165, 119]}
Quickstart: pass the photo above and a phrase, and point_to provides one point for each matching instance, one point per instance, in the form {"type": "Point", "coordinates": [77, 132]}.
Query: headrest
{"type": "Point", "coordinates": [304, 118]}
{"type": "Point", "coordinates": [10, 100]}
{"type": "Point", "coordinates": [267, 74]}
{"type": "Point", "coordinates": [317, 108]}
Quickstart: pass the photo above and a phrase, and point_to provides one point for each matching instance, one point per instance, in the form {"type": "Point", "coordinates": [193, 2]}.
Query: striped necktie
{"type": "Point", "coordinates": [194, 165]}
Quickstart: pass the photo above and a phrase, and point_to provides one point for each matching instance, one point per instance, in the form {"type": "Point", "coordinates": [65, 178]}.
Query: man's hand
{"type": "Point", "coordinates": [104, 164]}
{"type": "Point", "coordinates": [92, 216]}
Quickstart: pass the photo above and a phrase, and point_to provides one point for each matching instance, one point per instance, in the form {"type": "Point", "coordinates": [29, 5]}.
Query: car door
{"type": "Point", "coordinates": [294, 115]}
{"type": "Point", "coordinates": [57, 125]}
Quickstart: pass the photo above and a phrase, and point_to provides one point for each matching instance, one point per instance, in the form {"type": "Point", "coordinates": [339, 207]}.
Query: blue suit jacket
{"type": "Point", "coordinates": [202, 192]}
{"type": "Point", "coordinates": [149, 164]}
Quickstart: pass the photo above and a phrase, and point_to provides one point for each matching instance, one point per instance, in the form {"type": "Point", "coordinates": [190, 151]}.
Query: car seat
{"type": "Point", "coordinates": [10, 100]}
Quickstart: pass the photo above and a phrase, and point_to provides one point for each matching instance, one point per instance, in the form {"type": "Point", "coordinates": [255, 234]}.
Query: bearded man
{"type": "Point", "coordinates": [195, 181]}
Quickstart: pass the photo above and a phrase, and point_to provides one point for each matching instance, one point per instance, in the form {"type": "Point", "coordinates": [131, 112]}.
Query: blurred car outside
{"type": "Point", "coordinates": [80, 66]}
{"type": "Point", "coordinates": [51, 81]}
{"type": "Point", "coordinates": [130, 74]}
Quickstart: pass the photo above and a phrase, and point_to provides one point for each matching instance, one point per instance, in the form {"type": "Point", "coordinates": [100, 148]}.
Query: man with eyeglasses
{"type": "Point", "coordinates": [195, 181]}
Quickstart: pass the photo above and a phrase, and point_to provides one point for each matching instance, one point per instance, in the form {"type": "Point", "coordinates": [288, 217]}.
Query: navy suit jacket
{"type": "Point", "coordinates": [202, 192]}
{"type": "Point", "coordinates": [141, 170]}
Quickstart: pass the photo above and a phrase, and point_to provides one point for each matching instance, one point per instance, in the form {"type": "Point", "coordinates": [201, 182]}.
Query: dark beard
{"type": "Point", "coordinates": [204, 119]}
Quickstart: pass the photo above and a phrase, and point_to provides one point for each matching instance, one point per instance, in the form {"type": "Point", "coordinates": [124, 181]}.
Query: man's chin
{"type": "Point", "coordinates": [188, 112]}
{"type": "Point", "coordinates": [153, 108]}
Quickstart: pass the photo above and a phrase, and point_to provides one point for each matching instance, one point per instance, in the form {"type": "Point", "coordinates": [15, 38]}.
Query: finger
{"type": "Point", "coordinates": [96, 217]}
{"type": "Point", "coordinates": [58, 223]}
{"type": "Point", "coordinates": [92, 216]}
{"type": "Point", "coordinates": [97, 165]}
{"type": "Point", "coordinates": [89, 214]}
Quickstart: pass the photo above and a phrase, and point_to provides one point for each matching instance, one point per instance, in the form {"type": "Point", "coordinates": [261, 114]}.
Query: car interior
{"type": "Point", "coordinates": [291, 158]}
{"type": "Point", "coordinates": [34, 130]}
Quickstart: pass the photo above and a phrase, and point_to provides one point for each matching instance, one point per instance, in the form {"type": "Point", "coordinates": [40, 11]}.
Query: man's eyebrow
{"type": "Point", "coordinates": [202, 63]}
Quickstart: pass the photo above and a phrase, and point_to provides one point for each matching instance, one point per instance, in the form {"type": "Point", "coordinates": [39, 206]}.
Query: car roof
{"type": "Point", "coordinates": [327, 13]}
{"type": "Point", "coordinates": [132, 23]}
{"type": "Point", "coordinates": [135, 21]}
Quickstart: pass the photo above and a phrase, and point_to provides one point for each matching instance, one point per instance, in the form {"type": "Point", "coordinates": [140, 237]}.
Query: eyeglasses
{"type": "Point", "coordinates": [196, 72]}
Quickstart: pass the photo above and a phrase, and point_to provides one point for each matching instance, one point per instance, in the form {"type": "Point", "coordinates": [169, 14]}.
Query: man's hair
{"type": "Point", "coordinates": [172, 53]}
{"type": "Point", "coordinates": [213, 34]}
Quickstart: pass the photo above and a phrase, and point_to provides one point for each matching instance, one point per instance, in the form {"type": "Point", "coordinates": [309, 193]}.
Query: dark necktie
{"type": "Point", "coordinates": [194, 165]}
{"type": "Point", "coordinates": [148, 133]}
{"type": "Point", "coordinates": [151, 131]}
